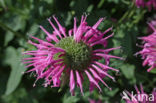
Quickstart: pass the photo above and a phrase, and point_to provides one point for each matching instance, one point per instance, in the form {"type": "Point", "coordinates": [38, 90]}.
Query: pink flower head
{"type": "Point", "coordinates": [143, 3]}
{"type": "Point", "coordinates": [140, 3]}
{"type": "Point", "coordinates": [68, 57]}
{"type": "Point", "coordinates": [140, 96]}
{"type": "Point", "coordinates": [149, 49]}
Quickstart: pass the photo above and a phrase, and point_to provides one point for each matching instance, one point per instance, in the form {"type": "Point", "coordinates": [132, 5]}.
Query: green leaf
{"type": "Point", "coordinates": [8, 37]}
{"type": "Point", "coordinates": [115, 1]}
{"type": "Point", "coordinates": [112, 92]}
{"type": "Point", "coordinates": [128, 70]}
{"type": "Point", "coordinates": [101, 3]}
{"type": "Point", "coordinates": [70, 99]}
{"type": "Point", "coordinates": [90, 8]}
{"type": "Point", "coordinates": [24, 97]}
{"type": "Point", "coordinates": [153, 71]}
{"type": "Point", "coordinates": [13, 58]}
{"type": "Point", "coordinates": [2, 3]}
{"type": "Point", "coordinates": [79, 6]}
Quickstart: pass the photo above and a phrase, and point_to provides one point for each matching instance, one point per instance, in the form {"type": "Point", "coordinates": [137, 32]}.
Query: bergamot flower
{"type": "Point", "coordinates": [149, 49]}
{"type": "Point", "coordinates": [140, 3]}
{"type": "Point", "coordinates": [146, 3]}
{"type": "Point", "coordinates": [67, 57]}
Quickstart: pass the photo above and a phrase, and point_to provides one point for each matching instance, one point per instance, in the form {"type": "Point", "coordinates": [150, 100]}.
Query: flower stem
{"type": "Point", "coordinates": [127, 14]}
{"type": "Point", "coordinates": [5, 27]}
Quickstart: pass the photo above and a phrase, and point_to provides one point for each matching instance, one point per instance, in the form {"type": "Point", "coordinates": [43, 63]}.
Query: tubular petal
{"type": "Point", "coordinates": [79, 81]}
{"type": "Point", "coordinates": [72, 82]}
{"type": "Point", "coordinates": [91, 79]}
{"type": "Point", "coordinates": [99, 78]}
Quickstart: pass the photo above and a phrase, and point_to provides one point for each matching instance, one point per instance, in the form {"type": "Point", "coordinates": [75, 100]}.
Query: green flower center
{"type": "Point", "coordinates": [78, 55]}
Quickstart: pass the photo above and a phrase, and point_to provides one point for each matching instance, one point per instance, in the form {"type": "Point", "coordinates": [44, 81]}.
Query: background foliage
{"type": "Point", "coordinates": [20, 18]}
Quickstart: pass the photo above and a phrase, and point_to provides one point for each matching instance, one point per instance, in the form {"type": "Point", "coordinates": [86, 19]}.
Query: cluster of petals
{"type": "Point", "coordinates": [44, 65]}
{"type": "Point", "coordinates": [140, 96]}
{"type": "Point", "coordinates": [144, 3]}
{"type": "Point", "coordinates": [149, 49]}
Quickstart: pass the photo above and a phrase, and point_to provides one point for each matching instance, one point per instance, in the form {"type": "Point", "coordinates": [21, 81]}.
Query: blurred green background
{"type": "Point", "coordinates": [20, 18]}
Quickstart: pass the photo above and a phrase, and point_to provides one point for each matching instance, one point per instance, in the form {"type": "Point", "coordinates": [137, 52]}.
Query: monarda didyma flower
{"type": "Point", "coordinates": [149, 49]}
{"type": "Point", "coordinates": [140, 96]}
{"type": "Point", "coordinates": [146, 3]}
{"type": "Point", "coordinates": [67, 57]}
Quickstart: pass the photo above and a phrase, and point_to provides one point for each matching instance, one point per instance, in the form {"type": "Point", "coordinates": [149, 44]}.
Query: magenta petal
{"type": "Point", "coordinates": [103, 72]}
{"type": "Point", "coordinates": [52, 37]}
{"type": "Point", "coordinates": [79, 81]}
{"type": "Point", "coordinates": [92, 80]}
{"type": "Point", "coordinates": [107, 56]}
{"type": "Point", "coordinates": [55, 29]}
{"type": "Point", "coordinates": [150, 68]}
{"type": "Point", "coordinates": [100, 36]}
{"type": "Point", "coordinates": [56, 82]}
{"type": "Point", "coordinates": [37, 45]}
{"type": "Point", "coordinates": [102, 41]}
{"type": "Point", "coordinates": [80, 30]}
{"type": "Point", "coordinates": [62, 29]}
{"type": "Point", "coordinates": [58, 74]}
{"type": "Point", "coordinates": [72, 82]}
{"type": "Point", "coordinates": [151, 26]}
{"type": "Point", "coordinates": [106, 50]}
{"type": "Point", "coordinates": [55, 70]}
{"type": "Point", "coordinates": [42, 42]}
{"type": "Point", "coordinates": [98, 77]}
{"type": "Point", "coordinates": [92, 30]}
{"type": "Point", "coordinates": [105, 66]}
{"type": "Point", "coordinates": [70, 32]}
{"type": "Point", "coordinates": [98, 23]}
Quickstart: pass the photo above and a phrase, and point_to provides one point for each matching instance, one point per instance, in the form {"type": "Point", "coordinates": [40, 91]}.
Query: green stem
{"type": "Point", "coordinates": [123, 17]}
{"type": "Point", "coordinates": [5, 27]}
{"type": "Point", "coordinates": [138, 19]}
{"type": "Point", "coordinates": [100, 3]}
{"type": "Point", "coordinates": [127, 14]}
